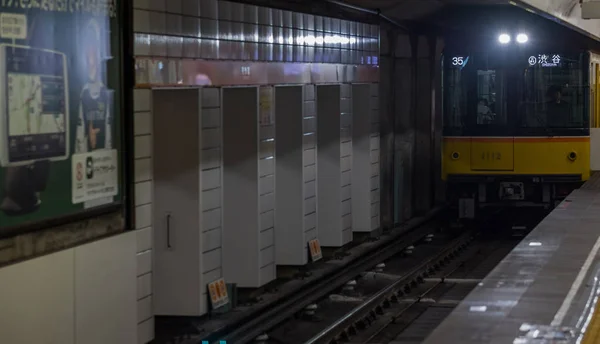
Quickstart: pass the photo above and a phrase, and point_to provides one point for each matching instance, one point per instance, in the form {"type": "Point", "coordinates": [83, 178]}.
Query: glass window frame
{"type": "Point", "coordinates": [515, 84]}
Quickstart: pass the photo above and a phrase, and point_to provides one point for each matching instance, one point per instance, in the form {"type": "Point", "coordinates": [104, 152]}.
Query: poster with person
{"type": "Point", "coordinates": [60, 111]}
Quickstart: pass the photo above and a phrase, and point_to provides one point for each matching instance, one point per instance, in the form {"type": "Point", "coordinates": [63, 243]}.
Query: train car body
{"type": "Point", "coordinates": [517, 112]}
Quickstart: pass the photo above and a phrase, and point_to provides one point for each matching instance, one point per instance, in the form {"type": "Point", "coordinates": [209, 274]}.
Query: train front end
{"type": "Point", "coordinates": [516, 121]}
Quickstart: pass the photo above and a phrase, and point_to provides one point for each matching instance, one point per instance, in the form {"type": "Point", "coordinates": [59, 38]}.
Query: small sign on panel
{"type": "Point", "coordinates": [315, 250]}
{"type": "Point", "coordinates": [218, 293]}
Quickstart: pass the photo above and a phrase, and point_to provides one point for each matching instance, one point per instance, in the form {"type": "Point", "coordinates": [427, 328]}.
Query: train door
{"type": "Point", "coordinates": [493, 145]}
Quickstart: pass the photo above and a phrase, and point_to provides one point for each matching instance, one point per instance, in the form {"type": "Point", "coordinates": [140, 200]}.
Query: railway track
{"type": "Point", "coordinates": [248, 329]}
{"type": "Point", "coordinates": [415, 314]}
{"type": "Point", "coordinates": [405, 298]}
{"type": "Point", "coordinates": [367, 302]}
{"type": "Point", "coordinates": [407, 278]}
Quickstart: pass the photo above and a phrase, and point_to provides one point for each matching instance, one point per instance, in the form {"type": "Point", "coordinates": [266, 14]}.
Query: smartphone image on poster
{"type": "Point", "coordinates": [34, 105]}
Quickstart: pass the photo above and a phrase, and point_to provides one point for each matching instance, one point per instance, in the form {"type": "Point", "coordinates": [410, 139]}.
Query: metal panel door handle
{"type": "Point", "coordinates": [169, 231]}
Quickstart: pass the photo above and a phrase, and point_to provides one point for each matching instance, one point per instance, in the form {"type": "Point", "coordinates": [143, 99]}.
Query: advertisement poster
{"type": "Point", "coordinates": [59, 108]}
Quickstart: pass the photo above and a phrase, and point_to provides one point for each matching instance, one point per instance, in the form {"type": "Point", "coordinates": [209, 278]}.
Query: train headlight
{"type": "Point", "coordinates": [573, 156]}
{"type": "Point", "coordinates": [504, 38]}
{"type": "Point", "coordinates": [522, 38]}
{"type": "Point", "coordinates": [455, 155]}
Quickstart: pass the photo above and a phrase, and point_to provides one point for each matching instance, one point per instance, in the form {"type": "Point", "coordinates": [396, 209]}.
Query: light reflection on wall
{"type": "Point", "coordinates": [226, 30]}
{"type": "Point", "coordinates": [202, 80]}
{"type": "Point", "coordinates": [290, 69]}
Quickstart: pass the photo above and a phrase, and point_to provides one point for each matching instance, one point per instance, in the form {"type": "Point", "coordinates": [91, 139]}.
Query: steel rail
{"type": "Point", "coordinates": [363, 310]}
{"type": "Point", "coordinates": [270, 316]}
{"type": "Point", "coordinates": [438, 282]}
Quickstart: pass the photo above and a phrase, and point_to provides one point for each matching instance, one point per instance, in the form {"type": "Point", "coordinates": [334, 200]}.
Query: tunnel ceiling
{"type": "Point", "coordinates": [450, 15]}
{"type": "Point", "coordinates": [415, 9]}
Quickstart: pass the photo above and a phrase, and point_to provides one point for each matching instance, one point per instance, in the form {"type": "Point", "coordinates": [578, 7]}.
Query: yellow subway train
{"type": "Point", "coordinates": [517, 117]}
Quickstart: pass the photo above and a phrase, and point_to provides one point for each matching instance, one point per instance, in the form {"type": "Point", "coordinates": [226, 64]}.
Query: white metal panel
{"type": "Point", "coordinates": [211, 138]}
{"type": "Point", "coordinates": [242, 203]}
{"type": "Point", "coordinates": [310, 205]}
{"type": "Point", "coordinates": [211, 116]}
{"type": "Point", "coordinates": [105, 291]}
{"type": "Point", "coordinates": [211, 240]}
{"type": "Point", "coordinates": [291, 187]}
{"type": "Point", "coordinates": [211, 219]}
{"type": "Point", "coordinates": [211, 179]}
{"type": "Point", "coordinates": [309, 173]}
{"type": "Point", "coordinates": [145, 331]}
{"type": "Point", "coordinates": [141, 100]}
{"type": "Point", "coordinates": [142, 123]}
{"type": "Point", "coordinates": [361, 169]}
{"type": "Point", "coordinates": [142, 146]}
{"type": "Point", "coordinates": [144, 285]}
{"type": "Point", "coordinates": [211, 199]}
{"type": "Point", "coordinates": [143, 193]}
{"type": "Point", "coordinates": [144, 262]}
{"type": "Point", "coordinates": [143, 169]}
{"type": "Point", "coordinates": [143, 216]}
{"type": "Point", "coordinates": [267, 238]}
{"type": "Point", "coordinates": [266, 167]}
{"type": "Point", "coordinates": [309, 157]}
{"type": "Point", "coordinates": [329, 166]}
{"type": "Point", "coordinates": [267, 202]}
{"type": "Point", "coordinates": [211, 260]}
{"type": "Point", "coordinates": [267, 220]}
{"type": "Point", "coordinates": [37, 300]}
{"type": "Point", "coordinates": [178, 201]}
{"type": "Point", "coordinates": [310, 189]}
{"type": "Point", "coordinates": [267, 184]}
{"type": "Point", "coordinates": [144, 239]}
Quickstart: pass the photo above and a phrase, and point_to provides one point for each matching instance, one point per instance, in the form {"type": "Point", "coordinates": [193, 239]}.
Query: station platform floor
{"type": "Point", "coordinates": [545, 290]}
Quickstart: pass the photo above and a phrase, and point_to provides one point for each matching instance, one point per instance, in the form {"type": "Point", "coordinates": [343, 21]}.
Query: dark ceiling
{"type": "Point", "coordinates": [415, 9]}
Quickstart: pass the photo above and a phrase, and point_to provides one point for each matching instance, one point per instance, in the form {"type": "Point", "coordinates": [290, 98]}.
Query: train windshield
{"type": "Point", "coordinates": [506, 95]}
{"type": "Point", "coordinates": [554, 93]}
{"type": "Point", "coordinates": [475, 94]}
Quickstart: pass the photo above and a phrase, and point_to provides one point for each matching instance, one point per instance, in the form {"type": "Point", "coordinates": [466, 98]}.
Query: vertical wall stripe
{"type": "Point", "coordinates": [310, 163]}
{"type": "Point", "coordinates": [346, 160]}
{"type": "Point", "coordinates": [267, 146]}
{"type": "Point", "coordinates": [143, 209]}
{"type": "Point", "coordinates": [375, 183]}
{"type": "Point", "coordinates": [212, 192]}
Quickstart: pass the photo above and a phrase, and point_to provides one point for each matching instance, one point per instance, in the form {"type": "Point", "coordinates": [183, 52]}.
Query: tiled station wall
{"type": "Point", "coordinates": [375, 169]}
{"type": "Point", "coordinates": [211, 29]}
{"type": "Point", "coordinates": [346, 160]}
{"type": "Point", "coordinates": [223, 30]}
{"type": "Point", "coordinates": [310, 163]}
{"type": "Point", "coordinates": [143, 211]}
{"type": "Point", "coordinates": [211, 197]}
{"type": "Point", "coordinates": [266, 184]}
{"type": "Point", "coordinates": [211, 184]}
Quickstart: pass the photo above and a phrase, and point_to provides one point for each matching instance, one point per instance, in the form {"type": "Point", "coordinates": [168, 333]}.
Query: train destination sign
{"type": "Point", "coordinates": [544, 60]}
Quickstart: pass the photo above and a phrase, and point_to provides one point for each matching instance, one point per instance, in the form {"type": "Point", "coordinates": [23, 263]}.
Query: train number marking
{"type": "Point", "coordinates": [458, 61]}
{"type": "Point", "coordinates": [490, 156]}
